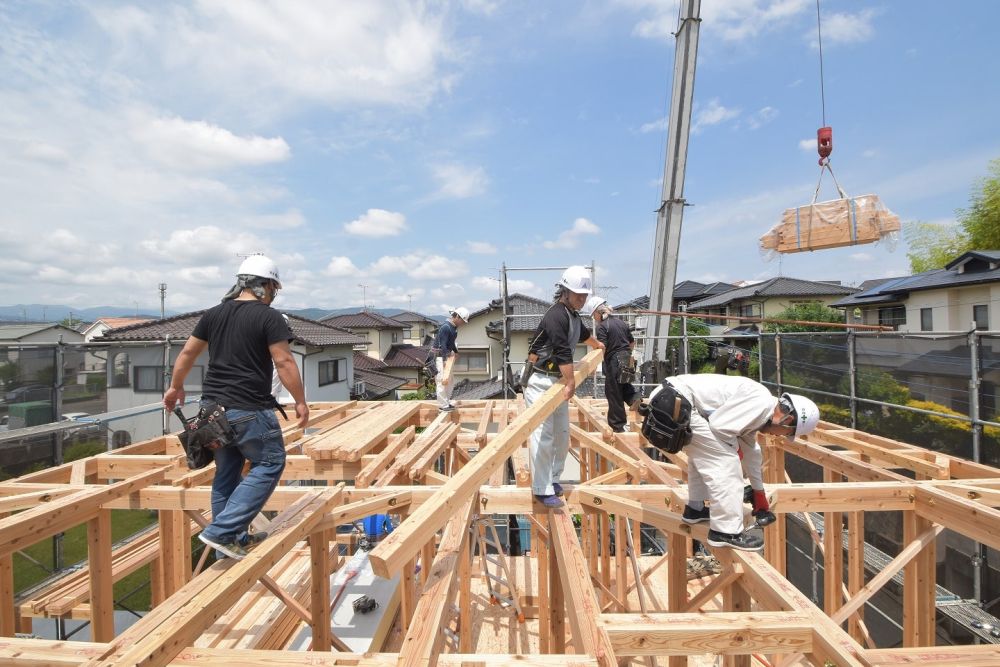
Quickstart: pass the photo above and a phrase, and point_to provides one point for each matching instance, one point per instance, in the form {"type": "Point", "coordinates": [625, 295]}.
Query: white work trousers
{"type": "Point", "coordinates": [714, 473]}
{"type": "Point", "coordinates": [443, 390]}
{"type": "Point", "coordinates": [550, 441]}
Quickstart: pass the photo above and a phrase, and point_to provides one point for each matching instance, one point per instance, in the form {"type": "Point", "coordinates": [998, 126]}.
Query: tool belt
{"type": "Point", "coordinates": [667, 419]}
{"type": "Point", "coordinates": [204, 433]}
{"type": "Point", "coordinates": [624, 363]}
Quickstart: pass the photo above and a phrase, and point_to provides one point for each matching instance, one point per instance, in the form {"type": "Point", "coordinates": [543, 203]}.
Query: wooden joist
{"type": "Point", "coordinates": [361, 435]}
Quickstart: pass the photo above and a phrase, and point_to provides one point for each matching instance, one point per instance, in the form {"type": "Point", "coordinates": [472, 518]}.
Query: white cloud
{"type": "Point", "coordinates": [571, 237]}
{"type": "Point", "coordinates": [761, 117]}
{"type": "Point", "coordinates": [807, 145]}
{"type": "Point", "coordinates": [44, 152]}
{"type": "Point", "coordinates": [202, 245]}
{"type": "Point", "coordinates": [456, 181]}
{"type": "Point", "coordinates": [862, 257]}
{"type": "Point", "coordinates": [732, 20]}
{"type": "Point", "coordinates": [340, 267]}
{"type": "Point", "coordinates": [480, 248]}
{"type": "Point", "coordinates": [257, 52]}
{"type": "Point", "coordinates": [486, 284]}
{"type": "Point", "coordinates": [843, 28]}
{"type": "Point", "coordinates": [377, 223]}
{"type": "Point", "coordinates": [288, 220]}
{"type": "Point", "coordinates": [658, 125]}
{"type": "Point", "coordinates": [183, 144]}
{"type": "Point", "coordinates": [420, 266]}
{"type": "Point", "coordinates": [446, 292]}
{"type": "Point", "coordinates": [712, 114]}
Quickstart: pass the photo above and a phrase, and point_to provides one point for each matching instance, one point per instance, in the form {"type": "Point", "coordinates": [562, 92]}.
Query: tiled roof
{"type": "Point", "coordinates": [780, 286]}
{"type": "Point", "coordinates": [18, 331]}
{"type": "Point", "coordinates": [116, 322]}
{"type": "Point", "coordinates": [971, 268]}
{"type": "Point", "coordinates": [363, 320]}
{"type": "Point", "coordinates": [687, 289]}
{"type": "Point", "coordinates": [469, 390]}
{"type": "Point", "coordinates": [638, 303]}
{"type": "Point", "coordinates": [404, 355]}
{"type": "Point", "coordinates": [377, 385]}
{"type": "Point", "coordinates": [367, 362]}
{"type": "Point", "coordinates": [179, 327]}
{"type": "Point", "coordinates": [526, 313]}
{"type": "Point", "coordinates": [408, 316]}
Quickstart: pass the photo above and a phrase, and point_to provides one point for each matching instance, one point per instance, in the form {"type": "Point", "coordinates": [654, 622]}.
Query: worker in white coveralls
{"type": "Point", "coordinates": [727, 412]}
{"type": "Point", "coordinates": [550, 358]}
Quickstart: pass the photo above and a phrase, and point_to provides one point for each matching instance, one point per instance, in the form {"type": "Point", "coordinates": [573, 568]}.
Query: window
{"type": "Point", "coordinates": [333, 370]}
{"type": "Point", "coordinates": [148, 378]}
{"type": "Point", "coordinates": [472, 361]}
{"type": "Point", "coordinates": [927, 319]}
{"type": "Point", "coordinates": [407, 333]}
{"type": "Point", "coordinates": [119, 370]}
{"type": "Point", "coordinates": [745, 310]}
{"type": "Point", "coordinates": [395, 336]}
{"type": "Point", "coordinates": [981, 316]}
{"type": "Point", "coordinates": [892, 316]}
{"type": "Point", "coordinates": [423, 332]}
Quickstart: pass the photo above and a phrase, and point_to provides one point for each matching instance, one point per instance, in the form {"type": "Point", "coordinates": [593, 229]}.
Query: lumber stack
{"type": "Point", "coordinates": [361, 434]}
{"type": "Point", "coordinates": [831, 224]}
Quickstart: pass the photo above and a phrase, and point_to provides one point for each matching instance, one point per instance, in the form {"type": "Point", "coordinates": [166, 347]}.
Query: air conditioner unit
{"type": "Point", "coordinates": [359, 388]}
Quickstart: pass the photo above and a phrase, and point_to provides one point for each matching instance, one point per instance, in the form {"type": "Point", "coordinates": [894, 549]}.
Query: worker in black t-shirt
{"type": "Point", "coordinates": [551, 354]}
{"type": "Point", "coordinates": [619, 369]}
{"type": "Point", "coordinates": [244, 337]}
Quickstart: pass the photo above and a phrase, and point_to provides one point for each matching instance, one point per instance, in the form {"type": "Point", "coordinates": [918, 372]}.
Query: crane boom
{"type": "Point", "coordinates": [671, 211]}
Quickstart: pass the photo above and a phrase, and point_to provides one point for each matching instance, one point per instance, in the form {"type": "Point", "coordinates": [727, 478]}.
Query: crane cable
{"type": "Point", "coordinates": [822, 84]}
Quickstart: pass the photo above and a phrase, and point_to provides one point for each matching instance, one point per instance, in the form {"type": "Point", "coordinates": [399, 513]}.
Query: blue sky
{"type": "Point", "coordinates": [415, 147]}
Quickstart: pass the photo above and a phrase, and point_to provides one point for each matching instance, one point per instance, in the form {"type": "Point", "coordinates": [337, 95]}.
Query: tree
{"type": "Point", "coordinates": [932, 245]}
{"type": "Point", "coordinates": [806, 312]}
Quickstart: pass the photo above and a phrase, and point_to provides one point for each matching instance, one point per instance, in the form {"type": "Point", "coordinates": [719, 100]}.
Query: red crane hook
{"type": "Point", "coordinates": [824, 143]}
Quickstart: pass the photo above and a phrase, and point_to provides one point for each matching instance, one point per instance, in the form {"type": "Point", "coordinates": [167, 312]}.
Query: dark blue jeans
{"type": "Point", "coordinates": [235, 500]}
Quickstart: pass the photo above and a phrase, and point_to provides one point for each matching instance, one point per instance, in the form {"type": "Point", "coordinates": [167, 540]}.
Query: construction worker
{"type": "Point", "coordinates": [445, 354]}
{"type": "Point", "coordinates": [550, 357]}
{"type": "Point", "coordinates": [619, 368]}
{"type": "Point", "coordinates": [727, 411]}
{"type": "Point", "coordinates": [244, 337]}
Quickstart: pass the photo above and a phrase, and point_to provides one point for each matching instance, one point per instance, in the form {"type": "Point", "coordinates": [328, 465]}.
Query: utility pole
{"type": "Point", "coordinates": [364, 296]}
{"type": "Point", "coordinates": [163, 300]}
{"type": "Point", "coordinates": [671, 212]}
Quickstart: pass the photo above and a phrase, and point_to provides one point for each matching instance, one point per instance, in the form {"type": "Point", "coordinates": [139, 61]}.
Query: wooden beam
{"type": "Point", "coordinates": [970, 519]}
{"type": "Point", "coordinates": [163, 633]}
{"type": "Point", "coordinates": [609, 452]}
{"type": "Point", "coordinates": [319, 592]}
{"type": "Point", "coordinates": [8, 612]}
{"type": "Point", "coordinates": [582, 605]}
{"type": "Point", "coordinates": [400, 545]}
{"type": "Point", "coordinates": [102, 599]}
{"type": "Point", "coordinates": [983, 655]}
{"type": "Point", "coordinates": [33, 525]}
{"type": "Point", "coordinates": [383, 460]}
{"type": "Point", "coordinates": [852, 470]}
{"type": "Point", "coordinates": [422, 643]}
{"type": "Point", "coordinates": [722, 633]}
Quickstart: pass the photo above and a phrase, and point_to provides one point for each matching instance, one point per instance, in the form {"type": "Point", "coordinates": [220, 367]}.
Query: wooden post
{"type": "Point", "coordinates": [557, 603]}
{"type": "Point", "coordinates": [465, 642]}
{"type": "Point", "coordinates": [541, 546]}
{"type": "Point", "coordinates": [776, 536]}
{"type": "Point", "coordinates": [919, 581]}
{"type": "Point", "coordinates": [856, 569]}
{"type": "Point", "coordinates": [735, 599]}
{"type": "Point", "coordinates": [319, 598]}
{"type": "Point", "coordinates": [677, 594]}
{"type": "Point", "coordinates": [8, 612]}
{"type": "Point", "coordinates": [833, 547]}
{"type": "Point", "coordinates": [621, 563]}
{"type": "Point", "coordinates": [102, 595]}
{"type": "Point", "coordinates": [172, 536]}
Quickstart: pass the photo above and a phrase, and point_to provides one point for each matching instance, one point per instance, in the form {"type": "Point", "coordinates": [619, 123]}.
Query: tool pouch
{"type": "Point", "coordinates": [625, 364]}
{"type": "Point", "coordinates": [667, 420]}
{"type": "Point", "coordinates": [204, 433]}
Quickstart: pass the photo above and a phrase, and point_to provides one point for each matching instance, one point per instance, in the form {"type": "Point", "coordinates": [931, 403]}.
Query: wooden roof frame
{"type": "Point", "coordinates": [583, 608]}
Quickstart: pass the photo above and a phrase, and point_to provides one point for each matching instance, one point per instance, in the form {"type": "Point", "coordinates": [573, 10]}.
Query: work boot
{"type": "Point", "coordinates": [551, 502]}
{"type": "Point", "coordinates": [745, 541]}
{"type": "Point", "coordinates": [557, 489]}
{"type": "Point", "coordinates": [764, 517]}
{"type": "Point", "coordinates": [229, 549]}
{"type": "Point", "coordinates": [691, 515]}
{"type": "Point", "coordinates": [250, 540]}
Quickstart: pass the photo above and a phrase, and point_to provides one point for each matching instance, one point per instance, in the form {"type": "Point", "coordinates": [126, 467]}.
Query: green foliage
{"type": "Point", "coordinates": [932, 246]}
{"type": "Point", "coordinates": [418, 395]}
{"type": "Point", "coordinates": [806, 312]}
{"type": "Point", "coordinates": [697, 347]}
{"type": "Point", "coordinates": [82, 450]}
{"type": "Point", "coordinates": [8, 373]}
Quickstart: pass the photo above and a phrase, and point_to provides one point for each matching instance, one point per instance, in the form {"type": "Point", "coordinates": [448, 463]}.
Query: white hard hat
{"type": "Point", "coordinates": [592, 303]}
{"type": "Point", "coordinates": [806, 413]}
{"type": "Point", "coordinates": [260, 266]}
{"type": "Point", "coordinates": [462, 312]}
{"type": "Point", "coordinates": [576, 279]}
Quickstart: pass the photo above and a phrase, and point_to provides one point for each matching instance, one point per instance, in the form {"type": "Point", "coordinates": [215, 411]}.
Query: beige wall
{"type": "Point", "coordinates": [951, 309]}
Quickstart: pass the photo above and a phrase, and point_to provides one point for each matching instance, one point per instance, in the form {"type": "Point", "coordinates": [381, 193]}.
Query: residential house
{"type": "Point", "coordinates": [418, 329]}
{"type": "Point", "coordinates": [95, 361]}
{"type": "Point", "coordinates": [768, 298]}
{"type": "Point", "coordinates": [406, 361]}
{"type": "Point", "coordinates": [378, 331]}
{"type": "Point", "coordinates": [371, 381]}
{"type": "Point", "coordinates": [955, 298]}
{"type": "Point", "coordinates": [30, 364]}
{"type": "Point", "coordinates": [138, 374]}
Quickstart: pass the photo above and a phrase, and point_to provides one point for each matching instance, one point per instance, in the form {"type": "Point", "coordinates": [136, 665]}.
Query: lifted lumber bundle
{"type": "Point", "coordinates": [831, 224]}
{"type": "Point", "coordinates": [585, 602]}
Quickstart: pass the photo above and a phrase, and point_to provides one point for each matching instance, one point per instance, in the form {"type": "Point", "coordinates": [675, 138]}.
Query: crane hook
{"type": "Point", "coordinates": [824, 144]}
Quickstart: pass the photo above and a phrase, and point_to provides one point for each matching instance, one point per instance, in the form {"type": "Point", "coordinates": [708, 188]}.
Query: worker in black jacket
{"type": "Point", "coordinates": [619, 368]}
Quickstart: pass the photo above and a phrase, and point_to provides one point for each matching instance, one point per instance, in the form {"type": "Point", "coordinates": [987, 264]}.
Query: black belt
{"type": "Point", "coordinates": [554, 374]}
